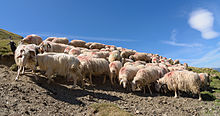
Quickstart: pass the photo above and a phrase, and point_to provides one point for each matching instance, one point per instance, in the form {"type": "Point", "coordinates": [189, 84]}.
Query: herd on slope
{"type": "Point", "coordinates": [76, 60]}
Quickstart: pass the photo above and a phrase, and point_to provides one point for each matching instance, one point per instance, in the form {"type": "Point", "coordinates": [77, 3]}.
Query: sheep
{"type": "Point", "coordinates": [88, 44]}
{"type": "Point", "coordinates": [25, 56]}
{"type": "Point", "coordinates": [124, 61]}
{"type": "Point", "coordinates": [96, 46]}
{"type": "Point", "coordinates": [151, 64]}
{"type": "Point", "coordinates": [47, 46]}
{"type": "Point", "coordinates": [94, 66]}
{"type": "Point", "coordinates": [32, 39]}
{"type": "Point", "coordinates": [74, 51]}
{"type": "Point", "coordinates": [176, 67]}
{"type": "Point", "coordinates": [145, 77]}
{"type": "Point", "coordinates": [61, 40]}
{"type": "Point", "coordinates": [114, 56]}
{"type": "Point", "coordinates": [181, 80]}
{"type": "Point", "coordinates": [100, 54]}
{"type": "Point", "coordinates": [67, 49]}
{"type": "Point", "coordinates": [185, 65]}
{"type": "Point", "coordinates": [176, 62]}
{"type": "Point", "coordinates": [61, 64]}
{"type": "Point", "coordinates": [114, 67]}
{"type": "Point", "coordinates": [126, 75]}
{"type": "Point", "coordinates": [111, 47]}
{"type": "Point", "coordinates": [136, 63]}
{"type": "Point", "coordinates": [50, 39]}
{"type": "Point", "coordinates": [127, 53]}
{"type": "Point", "coordinates": [141, 57]}
{"type": "Point", "coordinates": [205, 80]}
{"type": "Point", "coordinates": [77, 43]}
{"type": "Point", "coordinates": [155, 60]}
{"type": "Point", "coordinates": [170, 61]}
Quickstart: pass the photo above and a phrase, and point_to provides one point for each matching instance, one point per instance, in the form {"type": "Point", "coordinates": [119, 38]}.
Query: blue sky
{"type": "Point", "coordinates": [179, 29]}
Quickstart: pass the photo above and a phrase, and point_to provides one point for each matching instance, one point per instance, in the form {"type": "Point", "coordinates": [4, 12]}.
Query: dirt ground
{"type": "Point", "coordinates": [35, 97]}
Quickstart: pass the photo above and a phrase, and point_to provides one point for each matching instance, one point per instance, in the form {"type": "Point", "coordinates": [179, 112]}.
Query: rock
{"type": "Point", "coordinates": [137, 111]}
{"type": "Point", "coordinates": [149, 98]}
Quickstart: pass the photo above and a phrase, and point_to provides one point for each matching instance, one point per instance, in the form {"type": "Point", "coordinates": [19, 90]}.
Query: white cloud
{"type": "Point", "coordinates": [174, 43]}
{"type": "Point", "coordinates": [182, 44]}
{"type": "Point", "coordinates": [210, 59]}
{"type": "Point", "coordinates": [202, 20]}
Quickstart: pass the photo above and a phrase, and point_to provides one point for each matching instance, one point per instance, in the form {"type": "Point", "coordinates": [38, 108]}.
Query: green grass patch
{"type": "Point", "coordinates": [107, 109]}
{"type": "Point", "coordinates": [5, 37]}
{"type": "Point", "coordinates": [214, 88]}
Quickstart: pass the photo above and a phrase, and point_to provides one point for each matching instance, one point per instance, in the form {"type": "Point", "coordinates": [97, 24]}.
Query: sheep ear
{"type": "Point", "coordinates": [48, 45]}
{"type": "Point", "coordinates": [121, 82]}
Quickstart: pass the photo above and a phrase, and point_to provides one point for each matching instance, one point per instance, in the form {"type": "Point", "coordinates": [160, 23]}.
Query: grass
{"type": "Point", "coordinates": [107, 109]}
{"type": "Point", "coordinates": [214, 89]}
{"type": "Point", "coordinates": [5, 39]}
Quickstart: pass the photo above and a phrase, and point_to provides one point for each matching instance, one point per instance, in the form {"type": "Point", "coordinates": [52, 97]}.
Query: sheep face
{"type": "Point", "coordinates": [123, 82]}
{"type": "Point", "coordinates": [45, 47]}
{"type": "Point", "coordinates": [158, 86]}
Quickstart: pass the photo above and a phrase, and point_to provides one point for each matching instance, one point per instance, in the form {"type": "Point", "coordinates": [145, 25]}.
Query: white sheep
{"type": "Point", "coordinates": [205, 80]}
{"type": "Point", "coordinates": [32, 39]}
{"type": "Point", "coordinates": [115, 67]}
{"type": "Point", "coordinates": [114, 56]}
{"type": "Point", "coordinates": [126, 75]}
{"type": "Point", "coordinates": [127, 53]}
{"type": "Point", "coordinates": [25, 56]}
{"type": "Point", "coordinates": [145, 77]}
{"type": "Point", "coordinates": [77, 43]}
{"type": "Point", "coordinates": [61, 40]}
{"type": "Point", "coordinates": [94, 66]}
{"type": "Point", "coordinates": [47, 46]}
{"type": "Point", "coordinates": [96, 46]}
{"type": "Point", "coordinates": [181, 80]}
{"type": "Point", "coordinates": [140, 56]}
{"type": "Point", "coordinates": [50, 39]}
{"type": "Point", "coordinates": [61, 64]}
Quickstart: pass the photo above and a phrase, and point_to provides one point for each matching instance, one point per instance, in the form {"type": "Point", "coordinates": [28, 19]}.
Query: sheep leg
{"type": "Point", "coordinates": [104, 79]}
{"type": "Point", "coordinates": [35, 74]}
{"type": "Point", "coordinates": [90, 79]}
{"type": "Point", "coordinates": [81, 78]}
{"type": "Point", "coordinates": [19, 70]}
{"type": "Point", "coordinates": [49, 73]}
{"type": "Point", "coordinates": [200, 97]}
{"type": "Point", "coordinates": [22, 70]}
{"type": "Point", "coordinates": [111, 77]}
{"type": "Point", "coordinates": [148, 86]}
{"type": "Point", "coordinates": [74, 83]}
{"type": "Point", "coordinates": [144, 88]}
{"type": "Point", "coordinates": [176, 93]}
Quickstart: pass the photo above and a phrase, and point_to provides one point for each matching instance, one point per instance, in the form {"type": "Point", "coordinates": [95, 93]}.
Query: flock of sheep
{"type": "Point", "coordinates": [76, 60]}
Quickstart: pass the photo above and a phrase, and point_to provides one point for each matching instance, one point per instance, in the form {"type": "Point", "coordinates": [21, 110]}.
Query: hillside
{"type": "Point", "coordinates": [6, 34]}
{"type": "Point", "coordinates": [5, 39]}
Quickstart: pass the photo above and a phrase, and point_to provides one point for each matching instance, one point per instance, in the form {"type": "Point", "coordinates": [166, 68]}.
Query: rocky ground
{"type": "Point", "coordinates": [35, 97]}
